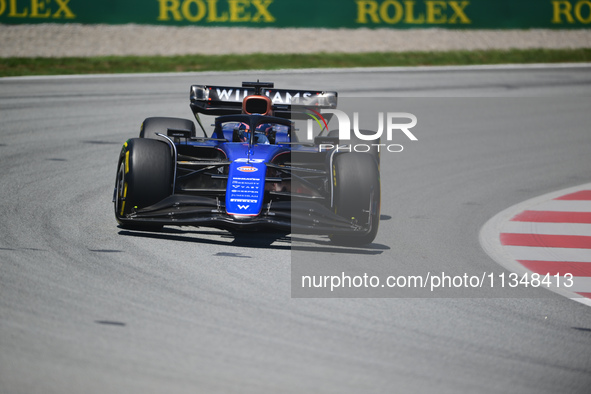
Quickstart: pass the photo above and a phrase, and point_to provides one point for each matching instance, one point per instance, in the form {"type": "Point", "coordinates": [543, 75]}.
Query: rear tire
{"type": "Point", "coordinates": [144, 177]}
{"type": "Point", "coordinates": [154, 125]}
{"type": "Point", "coordinates": [356, 195]}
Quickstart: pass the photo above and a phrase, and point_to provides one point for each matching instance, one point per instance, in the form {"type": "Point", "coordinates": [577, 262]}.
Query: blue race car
{"type": "Point", "coordinates": [251, 172]}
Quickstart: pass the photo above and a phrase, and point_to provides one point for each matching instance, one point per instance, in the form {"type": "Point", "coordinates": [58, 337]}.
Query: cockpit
{"type": "Point", "coordinates": [239, 128]}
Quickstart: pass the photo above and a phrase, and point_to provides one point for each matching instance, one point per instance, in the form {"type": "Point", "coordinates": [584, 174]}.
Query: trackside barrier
{"type": "Point", "coordinates": [402, 14]}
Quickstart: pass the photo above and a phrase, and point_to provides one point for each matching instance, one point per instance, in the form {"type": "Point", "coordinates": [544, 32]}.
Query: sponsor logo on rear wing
{"type": "Point", "coordinates": [219, 100]}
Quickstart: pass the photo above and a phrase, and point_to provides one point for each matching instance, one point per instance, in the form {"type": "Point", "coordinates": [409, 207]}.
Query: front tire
{"type": "Point", "coordinates": [144, 177]}
{"type": "Point", "coordinates": [356, 196]}
{"type": "Point", "coordinates": [372, 145]}
{"type": "Point", "coordinates": [154, 125]}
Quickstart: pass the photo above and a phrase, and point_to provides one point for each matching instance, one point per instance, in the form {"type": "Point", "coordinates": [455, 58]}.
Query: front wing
{"type": "Point", "coordinates": [293, 217]}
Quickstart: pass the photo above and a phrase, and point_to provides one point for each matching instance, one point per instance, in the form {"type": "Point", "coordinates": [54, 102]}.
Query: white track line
{"type": "Point", "coordinates": [484, 67]}
{"type": "Point", "coordinates": [547, 228]}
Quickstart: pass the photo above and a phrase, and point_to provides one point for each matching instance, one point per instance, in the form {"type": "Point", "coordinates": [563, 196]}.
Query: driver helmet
{"type": "Point", "coordinates": [243, 132]}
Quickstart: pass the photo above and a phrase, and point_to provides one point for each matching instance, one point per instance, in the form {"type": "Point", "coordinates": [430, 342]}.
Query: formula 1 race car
{"type": "Point", "coordinates": [251, 172]}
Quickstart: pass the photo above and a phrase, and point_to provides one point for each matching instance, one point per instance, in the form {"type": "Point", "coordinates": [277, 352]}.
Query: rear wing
{"type": "Point", "coordinates": [287, 103]}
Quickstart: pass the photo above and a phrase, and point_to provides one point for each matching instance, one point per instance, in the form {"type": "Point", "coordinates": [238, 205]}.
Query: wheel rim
{"type": "Point", "coordinates": [120, 191]}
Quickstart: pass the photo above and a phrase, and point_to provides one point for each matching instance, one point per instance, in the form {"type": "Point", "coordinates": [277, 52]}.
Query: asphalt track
{"type": "Point", "coordinates": [87, 307]}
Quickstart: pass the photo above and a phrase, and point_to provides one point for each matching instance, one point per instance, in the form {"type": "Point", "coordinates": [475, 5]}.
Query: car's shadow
{"type": "Point", "coordinates": [256, 240]}
{"type": "Point", "coordinates": [324, 245]}
{"type": "Point", "coordinates": [215, 237]}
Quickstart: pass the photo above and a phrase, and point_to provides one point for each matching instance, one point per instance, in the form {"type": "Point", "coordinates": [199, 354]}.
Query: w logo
{"type": "Point", "coordinates": [243, 206]}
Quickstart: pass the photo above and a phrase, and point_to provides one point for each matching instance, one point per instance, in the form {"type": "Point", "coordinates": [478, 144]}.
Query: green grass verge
{"type": "Point", "coordinates": [145, 64]}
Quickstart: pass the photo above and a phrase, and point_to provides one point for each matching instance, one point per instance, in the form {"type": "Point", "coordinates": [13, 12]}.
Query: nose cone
{"type": "Point", "coordinates": [245, 190]}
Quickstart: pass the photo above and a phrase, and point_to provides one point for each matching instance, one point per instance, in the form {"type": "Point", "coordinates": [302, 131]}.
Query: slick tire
{"type": "Point", "coordinates": [154, 125]}
{"type": "Point", "coordinates": [144, 177]}
{"type": "Point", "coordinates": [356, 196]}
{"type": "Point", "coordinates": [369, 147]}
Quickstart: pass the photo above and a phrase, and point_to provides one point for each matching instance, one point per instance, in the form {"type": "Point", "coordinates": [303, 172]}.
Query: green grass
{"type": "Point", "coordinates": [145, 64]}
